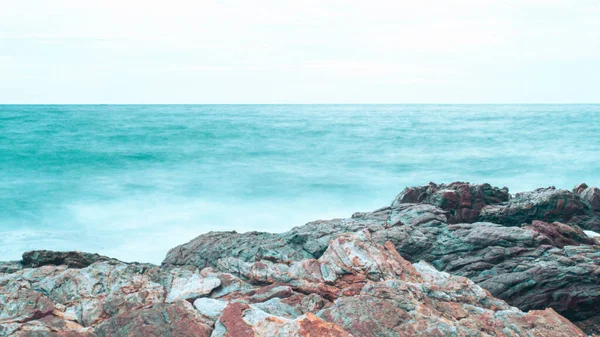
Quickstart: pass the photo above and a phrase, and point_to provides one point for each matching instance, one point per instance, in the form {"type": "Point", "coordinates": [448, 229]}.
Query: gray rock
{"type": "Point", "coordinates": [38, 258]}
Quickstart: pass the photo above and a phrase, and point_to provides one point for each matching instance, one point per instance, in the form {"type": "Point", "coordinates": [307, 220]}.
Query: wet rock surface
{"type": "Point", "coordinates": [430, 264]}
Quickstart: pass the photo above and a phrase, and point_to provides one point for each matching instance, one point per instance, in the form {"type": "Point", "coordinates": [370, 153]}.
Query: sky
{"type": "Point", "coordinates": [305, 51]}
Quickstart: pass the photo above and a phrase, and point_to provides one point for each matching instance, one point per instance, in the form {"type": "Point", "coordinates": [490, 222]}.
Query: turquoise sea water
{"type": "Point", "coordinates": [133, 181]}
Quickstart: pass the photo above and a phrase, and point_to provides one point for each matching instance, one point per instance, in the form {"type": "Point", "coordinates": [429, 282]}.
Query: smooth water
{"type": "Point", "coordinates": [133, 181]}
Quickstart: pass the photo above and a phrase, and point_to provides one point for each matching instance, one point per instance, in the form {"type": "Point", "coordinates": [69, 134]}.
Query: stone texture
{"type": "Point", "coordinates": [546, 204]}
{"type": "Point", "coordinates": [164, 319]}
{"type": "Point", "coordinates": [242, 320]}
{"type": "Point", "coordinates": [192, 287]}
{"type": "Point", "coordinates": [10, 266]}
{"type": "Point", "coordinates": [24, 305]}
{"type": "Point", "coordinates": [25, 312]}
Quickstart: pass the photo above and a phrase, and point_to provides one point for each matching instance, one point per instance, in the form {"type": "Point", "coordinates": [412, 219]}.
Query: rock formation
{"type": "Point", "coordinates": [430, 264]}
{"type": "Point", "coordinates": [534, 254]}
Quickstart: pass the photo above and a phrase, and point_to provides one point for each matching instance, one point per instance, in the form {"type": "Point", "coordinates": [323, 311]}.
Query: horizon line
{"type": "Point", "coordinates": [590, 103]}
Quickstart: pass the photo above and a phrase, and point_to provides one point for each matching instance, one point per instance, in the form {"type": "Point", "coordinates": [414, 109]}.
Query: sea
{"type": "Point", "coordinates": [132, 181]}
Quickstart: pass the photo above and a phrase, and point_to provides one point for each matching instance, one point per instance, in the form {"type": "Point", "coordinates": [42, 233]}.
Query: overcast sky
{"type": "Point", "coordinates": [304, 51]}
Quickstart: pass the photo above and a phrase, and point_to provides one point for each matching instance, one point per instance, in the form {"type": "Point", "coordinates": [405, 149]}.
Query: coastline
{"type": "Point", "coordinates": [479, 246]}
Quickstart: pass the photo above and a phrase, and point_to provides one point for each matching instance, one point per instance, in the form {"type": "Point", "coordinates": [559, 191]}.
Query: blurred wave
{"type": "Point", "coordinates": [132, 181]}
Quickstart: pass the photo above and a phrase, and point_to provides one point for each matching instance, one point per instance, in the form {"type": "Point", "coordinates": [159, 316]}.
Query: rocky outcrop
{"type": "Point", "coordinates": [535, 256]}
{"type": "Point", "coordinates": [38, 258]}
{"type": "Point", "coordinates": [463, 202]}
{"type": "Point", "coordinates": [357, 287]}
{"type": "Point", "coordinates": [467, 203]}
{"type": "Point", "coordinates": [546, 204]}
{"type": "Point", "coordinates": [427, 265]}
{"type": "Point", "coordinates": [163, 319]}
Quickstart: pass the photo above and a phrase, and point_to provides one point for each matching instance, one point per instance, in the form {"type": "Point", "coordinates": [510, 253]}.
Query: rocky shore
{"type": "Point", "coordinates": [440, 260]}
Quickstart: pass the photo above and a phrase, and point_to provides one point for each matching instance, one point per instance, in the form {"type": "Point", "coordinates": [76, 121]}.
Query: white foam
{"type": "Point", "coordinates": [144, 228]}
{"type": "Point", "coordinates": [591, 234]}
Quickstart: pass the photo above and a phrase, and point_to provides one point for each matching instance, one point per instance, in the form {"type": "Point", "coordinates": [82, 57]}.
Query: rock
{"type": "Point", "coordinates": [531, 263]}
{"type": "Point", "coordinates": [90, 294]}
{"type": "Point", "coordinates": [546, 204]}
{"type": "Point", "coordinates": [357, 287]}
{"type": "Point", "coordinates": [561, 234]}
{"type": "Point", "coordinates": [533, 267]}
{"type": "Point", "coordinates": [342, 277]}
{"type": "Point", "coordinates": [23, 305]}
{"type": "Point", "coordinates": [591, 197]}
{"type": "Point", "coordinates": [579, 188]}
{"type": "Point", "coordinates": [29, 313]}
{"type": "Point", "coordinates": [164, 319]}
{"type": "Point", "coordinates": [10, 267]}
{"type": "Point", "coordinates": [358, 254]}
{"type": "Point", "coordinates": [462, 201]}
{"type": "Point", "coordinates": [38, 258]}
{"type": "Point", "coordinates": [415, 215]}
{"type": "Point", "coordinates": [309, 241]}
{"type": "Point", "coordinates": [377, 293]}
{"type": "Point", "coordinates": [242, 320]}
{"type": "Point", "coordinates": [192, 287]}
{"type": "Point", "coordinates": [210, 308]}
{"type": "Point", "coordinates": [200, 253]}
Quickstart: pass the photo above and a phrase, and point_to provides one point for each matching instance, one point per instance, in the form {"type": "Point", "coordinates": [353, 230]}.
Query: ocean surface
{"type": "Point", "coordinates": [132, 181]}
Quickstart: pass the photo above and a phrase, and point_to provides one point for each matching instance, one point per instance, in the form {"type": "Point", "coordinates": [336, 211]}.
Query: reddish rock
{"type": "Point", "coordinates": [462, 201]}
{"type": "Point", "coordinates": [23, 305]}
{"type": "Point", "coordinates": [164, 319]}
{"type": "Point", "coordinates": [313, 326]}
{"type": "Point", "coordinates": [232, 320]}
{"type": "Point", "coordinates": [560, 234]}
{"type": "Point", "coordinates": [546, 204]}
